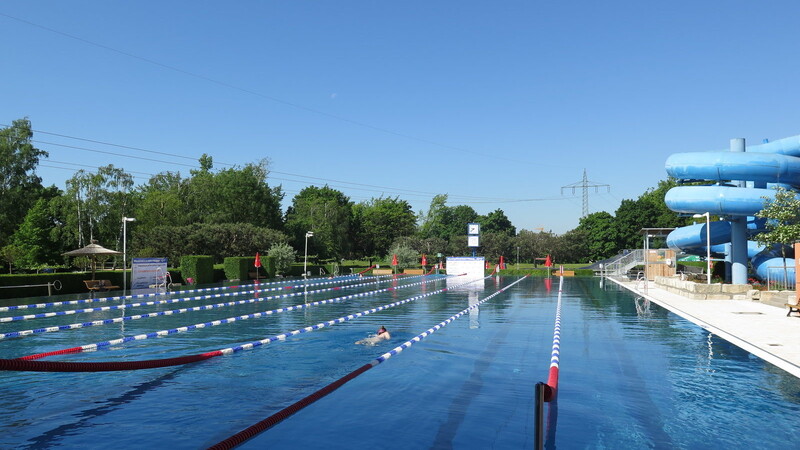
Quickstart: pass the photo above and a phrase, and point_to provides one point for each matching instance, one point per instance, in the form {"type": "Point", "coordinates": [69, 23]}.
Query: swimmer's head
{"type": "Point", "coordinates": [381, 330]}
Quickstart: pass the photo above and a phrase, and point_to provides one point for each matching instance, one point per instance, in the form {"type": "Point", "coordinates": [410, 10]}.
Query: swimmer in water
{"type": "Point", "coordinates": [375, 338]}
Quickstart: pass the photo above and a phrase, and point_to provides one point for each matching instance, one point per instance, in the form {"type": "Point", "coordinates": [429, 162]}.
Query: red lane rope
{"type": "Point", "coordinates": [366, 270]}
{"type": "Point", "coordinates": [60, 366]}
{"type": "Point", "coordinates": [255, 429]}
{"type": "Point", "coordinates": [279, 416]}
{"type": "Point", "coordinates": [65, 351]}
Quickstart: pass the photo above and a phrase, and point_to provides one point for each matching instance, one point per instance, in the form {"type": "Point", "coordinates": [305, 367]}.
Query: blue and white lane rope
{"type": "Point", "coordinates": [150, 295]}
{"type": "Point", "coordinates": [187, 328]}
{"type": "Point", "coordinates": [555, 355]}
{"type": "Point", "coordinates": [279, 416]}
{"type": "Point", "coordinates": [281, 337]}
{"type": "Point", "coordinates": [181, 300]}
{"type": "Point", "coordinates": [73, 326]}
{"type": "Point", "coordinates": [435, 328]}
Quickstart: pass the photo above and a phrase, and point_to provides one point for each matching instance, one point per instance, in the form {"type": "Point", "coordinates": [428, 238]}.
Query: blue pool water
{"type": "Point", "coordinates": [633, 375]}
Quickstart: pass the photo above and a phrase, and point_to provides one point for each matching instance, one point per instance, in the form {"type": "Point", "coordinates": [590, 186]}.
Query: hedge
{"type": "Point", "coordinates": [198, 267]}
{"type": "Point", "coordinates": [240, 267]}
{"type": "Point", "coordinates": [71, 282]}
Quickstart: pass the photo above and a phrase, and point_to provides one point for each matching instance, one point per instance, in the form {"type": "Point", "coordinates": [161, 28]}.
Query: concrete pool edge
{"type": "Point", "coordinates": [759, 329]}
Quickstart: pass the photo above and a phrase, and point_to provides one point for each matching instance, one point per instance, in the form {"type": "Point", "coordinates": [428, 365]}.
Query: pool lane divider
{"type": "Point", "coordinates": [28, 365]}
{"type": "Point", "coordinates": [74, 326]}
{"type": "Point", "coordinates": [546, 392]}
{"type": "Point", "coordinates": [150, 295]}
{"type": "Point", "coordinates": [187, 328]}
{"type": "Point", "coordinates": [259, 427]}
{"type": "Point", "coordinates": [555, 356]}
{"type": "Point", "coordinates": [178, 300]}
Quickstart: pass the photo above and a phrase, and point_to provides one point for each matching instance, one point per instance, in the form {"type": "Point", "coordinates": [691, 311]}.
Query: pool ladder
{"type": "Point", "coordinates": [163, 279]}
{"type": "Point", "coordinates": [641, 282]}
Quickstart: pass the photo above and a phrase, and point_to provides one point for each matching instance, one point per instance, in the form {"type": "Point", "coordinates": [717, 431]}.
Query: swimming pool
{"type": "Point", "coordinates": [633, 375]}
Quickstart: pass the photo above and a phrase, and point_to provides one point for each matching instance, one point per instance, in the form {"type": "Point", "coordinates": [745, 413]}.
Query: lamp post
{"type": "Point", "coordinates": [125, 221]}
{"type": "Point", "coordinates": [517, 257]}
{"type": "Point", "coordinates": [305, 260]}
{"type": "Point", "coordinates": [708, 243]}
{"type": "Point", "coordinates": [647, 257]}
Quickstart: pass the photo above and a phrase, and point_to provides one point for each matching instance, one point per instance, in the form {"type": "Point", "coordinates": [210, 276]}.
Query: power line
{"type": "Point", "coordinates": [112, 153]}
{"type": "Point", "coordinates": [327, 180]}
{"type": "Point", "coordinates": [585, 185]}
{"type": "Point", "coordinates": [261, 95]}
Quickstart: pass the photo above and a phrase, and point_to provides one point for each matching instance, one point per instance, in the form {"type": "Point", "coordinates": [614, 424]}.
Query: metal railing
{"type": "Point", "coordinates": [777, 279]}
{"type": "Point", "coordinates": [624, 263]}
{"type": "Point", "coordinates": [50, 286]}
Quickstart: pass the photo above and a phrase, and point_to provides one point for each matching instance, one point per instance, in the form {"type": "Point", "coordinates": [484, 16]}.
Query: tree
{"type": "Point", "coordinates": [284, 256]}
{"type": "Point", "coordinates": [239, 195]}
{"type": "Point", "coordinates": [601, 235]}
{"type": "Point", "coordinates": [217, 240]}
{"type": "Point", "coordinates": [495, 244]}
{"type": "Point", "coordinates": [406, 256]}
{"type": "Point", "coordinates": [457, 218]}
{"type": "Point", "coordinates": [783, 221]}
{"type": "Point", "coordinates": [379, 222]}
{"type": "Point", "coordinates": [432, 223]}
{"type": "Point", "coordinates": [162, 201]}
{"type": "Point", "coordinates": [497, 222]}
{"type": "Point", "coordinates": [328, 213]}
{"type": "Point", "coordinates": [535, 245]}
{"type": "Point", "coordinates": [19, 184]}
{"type": "Point", "coordinates": [648, 211]}
{"type": "Point", "coordinates": [33, 237]}
{"type": "Point", "coordinates": [571, 247]}
{"type": "Point", "coordinates": [99, 200]}
{"type": "Point", "coordinates": [11, 253]}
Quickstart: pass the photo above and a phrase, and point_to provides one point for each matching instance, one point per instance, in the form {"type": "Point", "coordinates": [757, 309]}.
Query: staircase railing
{"type": "Point", "coordinates": [624, 263]}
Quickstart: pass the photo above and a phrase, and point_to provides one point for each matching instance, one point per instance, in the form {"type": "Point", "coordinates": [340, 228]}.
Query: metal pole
{"type": "Point", "coordinates": [708, 246]}
{"type": "Point", "coordinates": [646, 255]}
{"type": "Point", "coordinates": [305, 259]}
{"type": "Point", "coordinates": [124, 254]}
{"type": "Point", "coordinates": [538, 429]}
{"type": "Point", "coordinates": [125, 221]}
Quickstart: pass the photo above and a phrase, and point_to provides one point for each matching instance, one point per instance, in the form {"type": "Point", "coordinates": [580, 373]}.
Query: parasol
{"type": "Point", "coordinates": [92, 250]}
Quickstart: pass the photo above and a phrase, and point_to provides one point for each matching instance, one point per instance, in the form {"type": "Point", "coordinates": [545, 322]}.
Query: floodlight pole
{"type": "Point", "coordinates": [305, 259]}
{"type": "Point", "coordinates": [125, 221]}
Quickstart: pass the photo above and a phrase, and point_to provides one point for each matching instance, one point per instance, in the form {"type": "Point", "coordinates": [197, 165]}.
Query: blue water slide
{"type": "Point", "coordinates": [762, 166]}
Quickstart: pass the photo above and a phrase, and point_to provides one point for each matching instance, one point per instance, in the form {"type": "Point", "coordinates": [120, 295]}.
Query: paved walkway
{"type": "Point", "coordinates": [760, 329]}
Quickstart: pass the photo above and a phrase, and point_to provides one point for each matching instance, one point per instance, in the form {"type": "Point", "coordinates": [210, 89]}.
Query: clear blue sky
{"type": "Point", "coordinates": [484, 101]}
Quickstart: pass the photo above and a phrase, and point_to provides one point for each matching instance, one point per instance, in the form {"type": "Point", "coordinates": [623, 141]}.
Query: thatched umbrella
{"type": "Point", "coordinates": [92, 250]}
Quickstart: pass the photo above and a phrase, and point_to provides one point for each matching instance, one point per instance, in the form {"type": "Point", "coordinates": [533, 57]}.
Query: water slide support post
{"type": "Point", "coordinates": [738, 232]}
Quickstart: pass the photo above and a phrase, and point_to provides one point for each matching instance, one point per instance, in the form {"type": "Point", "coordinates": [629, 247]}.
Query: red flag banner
{"type": "Point", "coordinates": [394, 260]}
{"type": "Point", "coordinates": [424, 260]}
{"type": "Point", "coordinates": [258, 260]}
{"type": "Point", "coordinates": [548, 262]}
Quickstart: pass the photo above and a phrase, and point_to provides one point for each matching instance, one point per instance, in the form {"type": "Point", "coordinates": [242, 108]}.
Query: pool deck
{"type": "Point", "coordinates": [758, 328]}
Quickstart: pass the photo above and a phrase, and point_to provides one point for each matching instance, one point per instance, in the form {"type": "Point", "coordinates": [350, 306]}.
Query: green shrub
{"type": "Point", "coordinates": [200, 268]}
{"type": "Point", "coordinates": [237, 267]}
{"type": "Point", "coordinates": [284, 256]}
{"type": "Point", "coordinates": [268, 266]}
{"type": "Point", "coordinates": [71, 283]}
